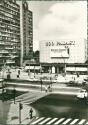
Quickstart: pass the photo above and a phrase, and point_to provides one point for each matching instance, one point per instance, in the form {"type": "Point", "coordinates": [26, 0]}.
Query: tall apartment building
{"type": "Point", "coordinates": [87, 30]}
{"type": "Point", "coordinates": [9, 32]}
{"type": "Point", "coordinates": [26, 25]}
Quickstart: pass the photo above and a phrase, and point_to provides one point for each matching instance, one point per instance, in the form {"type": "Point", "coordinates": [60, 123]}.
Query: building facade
{"type": "Point", "coordinates": [87, 31]}
{"type": "Point", "coordinates": [9, 32]}
{"type": "Point", "coordinates": [26, 24]}
{"type": "Point", "coordinates": [61, 52]}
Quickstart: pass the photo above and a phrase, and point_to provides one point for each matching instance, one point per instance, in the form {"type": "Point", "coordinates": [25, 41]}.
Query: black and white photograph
{"type": "Point", "coordinates": [43, 62]}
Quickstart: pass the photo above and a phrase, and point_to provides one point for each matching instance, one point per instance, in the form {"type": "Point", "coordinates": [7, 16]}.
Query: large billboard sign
{"type": "Point", "coordinates": [59, 43]}
{"type": "Point", "coordinates": [55, 51]}
{"type": "Point", "coordinates": [59, 52]}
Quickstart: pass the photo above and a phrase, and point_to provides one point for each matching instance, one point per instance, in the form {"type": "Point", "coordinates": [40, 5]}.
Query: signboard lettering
{"type": "Point", "coordinates": [57, 43]}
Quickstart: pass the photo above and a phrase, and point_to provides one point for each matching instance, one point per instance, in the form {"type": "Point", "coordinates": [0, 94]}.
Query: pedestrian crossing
{"type": "Point", "coordinates": [58, 121]}
{"type": "Point", "coordinates": [30, 97]}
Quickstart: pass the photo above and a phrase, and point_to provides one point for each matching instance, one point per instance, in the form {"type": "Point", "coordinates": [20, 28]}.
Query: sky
{"type": "Point", "coordinates": [54, 20]}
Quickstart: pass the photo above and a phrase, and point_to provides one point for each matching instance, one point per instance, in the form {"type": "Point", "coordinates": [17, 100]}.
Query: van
{"type": "Point", "coordinates": [82, 94]}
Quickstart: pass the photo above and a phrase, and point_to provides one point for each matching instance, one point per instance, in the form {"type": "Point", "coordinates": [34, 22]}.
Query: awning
{"type": "Point", "coordinates": [33, 67]}
{"type": "Point", "coordinates": [76, 69]}
{"type": "Point", "coordinates": [1, 80]}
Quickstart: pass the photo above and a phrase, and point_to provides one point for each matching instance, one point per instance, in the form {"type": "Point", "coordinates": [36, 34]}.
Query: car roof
{"type": "Point", "coordinates": [82, 90]}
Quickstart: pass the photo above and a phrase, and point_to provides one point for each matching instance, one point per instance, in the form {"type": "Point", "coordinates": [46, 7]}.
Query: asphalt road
{"type": "Point", "coordinates": [67, 106]}
{"type": "Point", "coordinates": [59, 105]}
{"type": "Point", "coordinates": [56, 106]}
{"type": "Point", "coordinates": [56, 87]}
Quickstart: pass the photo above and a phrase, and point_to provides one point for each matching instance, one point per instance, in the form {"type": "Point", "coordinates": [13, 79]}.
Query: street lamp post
{"type": "Point", "coordinates": [29, 71]}
{"type": "Point", "coordinates": [2, 91]}
{"type": "Point", "coordinates": [20, 108]}
{"type": "Point", "coordinates": [40, 69]}
{"type": "Point", "coordinates": [3, 70]}
{"type": "Point", "coordinates": [51, 83]}
{"type": "Point", "coordinates": [41, 83]}
{"type": "Point", "coordinates": [64, 65]}
{"type": "Point", "coordinates": [34, 71]}
{"type": "Point", "coordinates": [14, 94]}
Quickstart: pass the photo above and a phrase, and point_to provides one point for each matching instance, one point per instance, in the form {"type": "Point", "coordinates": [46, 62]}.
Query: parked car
{"type": "Point", "coordinates": [74, 83]}
{"type": "Point", "coordinates": [82, 94]}
{"type": "Point", "coordinates": [86, 79]}
{"type": "Point", "coordinates": [71, 83]}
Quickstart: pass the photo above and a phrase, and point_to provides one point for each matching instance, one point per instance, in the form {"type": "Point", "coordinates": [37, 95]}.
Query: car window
{"type": "Point", "coordinates": [82, 90]}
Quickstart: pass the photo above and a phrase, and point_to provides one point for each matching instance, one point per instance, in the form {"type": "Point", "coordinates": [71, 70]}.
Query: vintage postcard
{"type": "Point", "coordinates": [43, 62]}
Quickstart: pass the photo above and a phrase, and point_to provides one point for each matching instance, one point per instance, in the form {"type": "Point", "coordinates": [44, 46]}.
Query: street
{"type": "Point", "coordinates": [54, 106]}
{"type": "Point", "coordinates": [61, 106]}
{"type": "Point", "coordinates": [60, 103]}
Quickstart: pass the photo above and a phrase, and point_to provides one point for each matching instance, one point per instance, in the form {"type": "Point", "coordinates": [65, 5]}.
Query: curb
{"type": "Point", "coordinates": [13, 115]}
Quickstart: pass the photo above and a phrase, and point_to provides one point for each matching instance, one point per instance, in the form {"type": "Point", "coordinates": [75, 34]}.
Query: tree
{"type": "Point", "coordinates": [36, 55]}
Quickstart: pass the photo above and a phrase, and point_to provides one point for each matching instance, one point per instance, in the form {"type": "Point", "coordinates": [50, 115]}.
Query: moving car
{"type": "Point", "coordinates": [82, 94]}
{"type": "Point", "coordinates": [71, 83]}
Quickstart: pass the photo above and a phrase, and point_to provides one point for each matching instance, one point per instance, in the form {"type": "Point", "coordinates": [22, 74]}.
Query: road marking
{"type": "Point", "coordinates": [82, 121]}
{"type": "Point", "coordinates": [44, 121]}
{"type": "Point", "coordinates": [86, 123]}
{"type": "Point", "coordinates": [74, 121]}
{"type": "Point", "coordinates": [53, 120]}
{"type": "Point", "coordinates": [35, 122]}
{"type": "Point", "coordinates": [57, 121]}
{"type": "Point", "coordinates": [36, 118]}
{"type": "Point", "coordinates": [65, 122]}
{"type": "Point", "coordinates": [60, 120]}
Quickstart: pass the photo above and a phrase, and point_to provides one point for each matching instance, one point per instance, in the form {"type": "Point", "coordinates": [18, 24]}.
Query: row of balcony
{"type": "Point", "coordinates": [9, 32]}
{"type": "Point", "coordinates": [8, 56]}
{"type": "Point", "coordinates": [7, 26]}
{"type": "Point", "coordinates": [4, 12]}
{"type": "Point", "coordinates": [11, 20]}
{"type": "Point", "coordinates": [16, 38]}
{"type": "Point", "coordinates": [10, 8]}
{"type": "Point", "coordinates": [10, 24]}
{"type": "Point", "coordinates": [9, 42]}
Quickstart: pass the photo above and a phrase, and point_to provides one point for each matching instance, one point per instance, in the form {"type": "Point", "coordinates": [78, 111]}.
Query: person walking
{"type": "Point", "coordinates": [31, 113]}
{"type": "Point", "coordinates": [49, 88]}
{"type": "Point", "coordinates": [46, 89]}
{"type": "Point", "coordinates": [19, 71]}
{"type": "Point", "coordinates": [18, 75]}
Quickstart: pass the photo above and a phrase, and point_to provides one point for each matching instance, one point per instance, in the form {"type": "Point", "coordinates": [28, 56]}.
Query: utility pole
{"type": "Point", "coordinates": [64, 65]}
{"type": "Point", "coordinates": [14, 94]}
{"type": "Point", "coordinates": [20, 108]}
{"type": "Point", "coordinates": [34, 71]}
{"type": "Point", "coordinates": [3, 70]}
{"type": "Point", "coordinates": [51, 81]}
{"type": "Point", "coordinates": [41, 83]}
{"type": "Point", "coordinates": [2, 91]}
{"type": "Point", "coordinates": [29, 71]}
{"type": "Point", "coordinates": [40, 69]}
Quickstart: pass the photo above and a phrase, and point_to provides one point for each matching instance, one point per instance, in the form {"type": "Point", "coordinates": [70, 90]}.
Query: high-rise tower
{"type": "Point", "coordinates": [26, 24]}
{"type": "Point", "coordinates": [9, 32]}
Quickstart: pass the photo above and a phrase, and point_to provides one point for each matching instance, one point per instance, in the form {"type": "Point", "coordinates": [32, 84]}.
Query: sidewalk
{"type": "Point", "coordinates": [24, 76]}
{"type": "Point", "coordinates": [13, 115]}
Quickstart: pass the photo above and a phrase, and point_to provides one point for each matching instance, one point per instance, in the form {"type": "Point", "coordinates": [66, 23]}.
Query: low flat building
{"type": "Point", "coordinates": [55, 56]}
